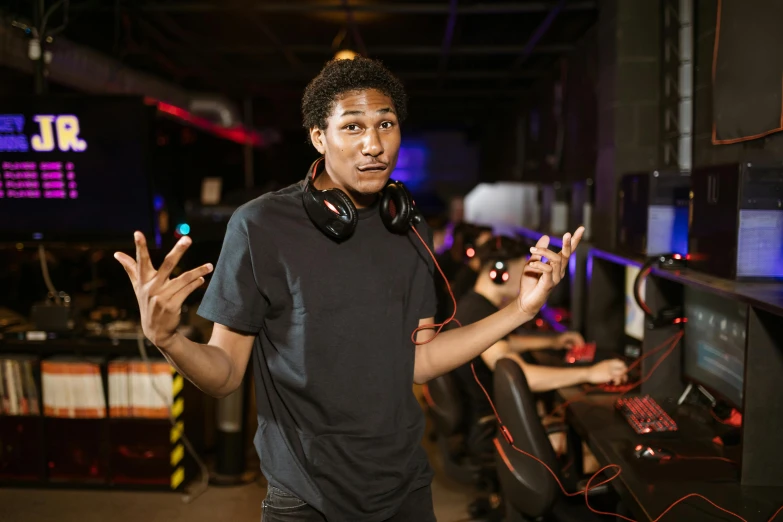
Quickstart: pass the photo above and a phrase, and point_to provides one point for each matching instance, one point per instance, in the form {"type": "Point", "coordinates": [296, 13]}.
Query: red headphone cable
{"type": "Point", "coordinates": [589, 389]}
{"type": "Point", "coordinates": [439, 326]}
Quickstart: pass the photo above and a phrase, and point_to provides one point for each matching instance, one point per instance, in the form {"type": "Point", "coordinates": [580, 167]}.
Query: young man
{"type": "Point", "coordinates": [484, 300]}
{"type": "Point", "coordinates": [330, 323]}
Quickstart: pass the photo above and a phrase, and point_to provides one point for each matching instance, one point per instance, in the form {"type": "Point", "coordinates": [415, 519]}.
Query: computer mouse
{"type": "Point", "coordinates": [652, 453]}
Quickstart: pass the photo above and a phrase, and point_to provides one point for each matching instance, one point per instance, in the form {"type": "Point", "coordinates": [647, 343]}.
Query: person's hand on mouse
{"type": "Point", "coordinates": [612, 371]}
{"type": "Point", "coordinates": [160, 298]}
{"type": "Point", "coordinates": [568, 340]}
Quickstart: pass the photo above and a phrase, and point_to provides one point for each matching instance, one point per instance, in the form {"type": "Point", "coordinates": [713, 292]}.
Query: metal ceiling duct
{"type": "Point", "coordinates": [216, 109]}
{"type": "Point", "coordinates": [82, 68]}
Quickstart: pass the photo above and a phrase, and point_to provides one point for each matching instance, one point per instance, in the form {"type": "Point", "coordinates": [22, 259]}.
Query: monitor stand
{"type": "Point", "coordinates": [699, 387]}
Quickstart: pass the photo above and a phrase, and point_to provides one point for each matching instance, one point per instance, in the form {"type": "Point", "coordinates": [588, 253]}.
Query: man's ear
{"type": "Point", "coordinates": [317, 138]}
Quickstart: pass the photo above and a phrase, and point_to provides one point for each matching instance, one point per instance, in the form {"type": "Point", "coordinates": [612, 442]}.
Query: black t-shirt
{"type": "Point", "coordinates": [464, 281]}
{"type": "Point", "coordinates": [471, 308]}
{"type": "Point", "coordinates": [449, 267]}
{"type": "Point", "coordinates": [338, 423]}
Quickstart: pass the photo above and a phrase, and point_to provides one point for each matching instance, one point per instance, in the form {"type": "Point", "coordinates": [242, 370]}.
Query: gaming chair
{"type": "Point", "coordinates": [446, 409]}
{"type": "Point", "coordinates": [528, 489]}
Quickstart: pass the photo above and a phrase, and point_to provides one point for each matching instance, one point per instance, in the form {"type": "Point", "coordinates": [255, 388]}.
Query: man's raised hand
{"type": "Point", "coordinates": [160, 298]}
{"type": "Point", "coordinates": [544, 270]}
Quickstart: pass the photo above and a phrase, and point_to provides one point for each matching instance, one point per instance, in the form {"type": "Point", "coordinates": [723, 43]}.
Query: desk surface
{"type": "Point", "coordinates": [649, 487]}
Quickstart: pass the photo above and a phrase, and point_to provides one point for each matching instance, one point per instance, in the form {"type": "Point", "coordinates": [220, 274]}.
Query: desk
{"type": "Point", "coordinates": [646, 487]}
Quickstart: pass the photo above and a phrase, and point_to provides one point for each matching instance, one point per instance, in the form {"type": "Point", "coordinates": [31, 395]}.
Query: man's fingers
{"type": "Point", "coordinates": [571, 242]}
{"type": "Point", "coordinates": [143, 264]}
{"type": "Point", "coordinates": [179, 298]}
{"type": "Point", "coordinates": [128, 264]}
{"type": "Point", "coordinates": [566, 250]}
{"type": "Point", "coordinates": [176, 285]}
{"type": "Point", "coordinates": [577, 238]}
{"type": "Point", "coordinates": [540, 267]}
{"type": "Point", "coordinates": [543, 242]}
{"type": "Point", "coordinates": [173, 257]}
{"type": "Point", "coordinates": [545, 252]}
{"type": "Point", "coordinates": [551, 258]}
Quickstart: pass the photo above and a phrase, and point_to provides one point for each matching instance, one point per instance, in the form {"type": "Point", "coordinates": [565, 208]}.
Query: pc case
{"type": "Point", "coordinates": [554, 200]}
{"type": "Point", "coordinates": [582, 201]}
{"type": "Point", "coordinates": [736, 221]}
{"type": "Point", "coordinates": [653, 212]}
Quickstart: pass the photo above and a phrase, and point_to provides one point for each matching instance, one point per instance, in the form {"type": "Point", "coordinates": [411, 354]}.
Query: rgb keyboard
{"type": "Point", "coordinates": [645, 415]}
{"type": "Point", "coordinates": [581, 353]}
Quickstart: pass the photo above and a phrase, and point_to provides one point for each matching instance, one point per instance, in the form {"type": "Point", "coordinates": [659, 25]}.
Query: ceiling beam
{"type": "Point", "coordinates": [397, 50]}
{"type": "Point", "coordinates": [306, 73]}
{"type": "Point", "coordinates": [357, 36]}
{"type": "Point", "coordinates": [306, 7]}
{"type": "Point", "coordinates": [540, 31]}
{"type": "Point", "coordinates": [414, 95]}
{"type": "Point", "coordinates": [280, 47]}
{"type": "Point", "coordinates": [489, 94]}
{"type": "Point", "coordinates": [448, 37]}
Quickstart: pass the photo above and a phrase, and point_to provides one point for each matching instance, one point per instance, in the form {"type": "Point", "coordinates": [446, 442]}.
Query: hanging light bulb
{"type": "Point", "coordinates": [345, 54]}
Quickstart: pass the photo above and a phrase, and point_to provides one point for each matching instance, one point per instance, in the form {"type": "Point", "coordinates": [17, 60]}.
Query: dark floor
{"type": "Point", "coordinates": [230, 504]}
{"type": "Point", "coordinates": [234, 504]}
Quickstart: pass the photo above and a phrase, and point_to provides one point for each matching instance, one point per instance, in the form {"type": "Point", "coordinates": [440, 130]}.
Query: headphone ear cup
{"type": "Point", "coordinates": [397, 210]}
{"type": "Point", "coordinates": [499, 273]}
{"type": "Point", "coordinates": [331, 210]}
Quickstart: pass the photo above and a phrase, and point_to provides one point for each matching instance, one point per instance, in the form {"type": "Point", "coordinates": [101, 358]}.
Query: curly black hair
{"type": "Point", "coordinates": [341, 76]}
{"type": "Point", "coordinates": [501, 248]}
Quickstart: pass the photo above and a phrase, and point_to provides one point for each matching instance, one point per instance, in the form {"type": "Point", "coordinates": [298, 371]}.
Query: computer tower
{"type": "Point", "coordinates": [653, 212]}
{"type": "Point", "coordinates": [554, 200]}
{"type": "Point", "coordinates": [582, 201]}
{"type": "Point", "coordinates": [736, 221]}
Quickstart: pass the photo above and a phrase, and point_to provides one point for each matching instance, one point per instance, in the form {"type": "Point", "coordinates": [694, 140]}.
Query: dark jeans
{"type": "Point", "coordinates": [279, 506]}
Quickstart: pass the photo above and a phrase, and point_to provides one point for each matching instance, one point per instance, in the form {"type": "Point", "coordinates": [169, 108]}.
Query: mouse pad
{"type": "Point", "coordinates": [687, 464]}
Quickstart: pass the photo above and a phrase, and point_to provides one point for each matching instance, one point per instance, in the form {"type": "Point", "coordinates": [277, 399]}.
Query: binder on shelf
{"type": "Point", "coordinates": [73, 388]}
{"type": "Point", "coordinates": [18, 389]}
{"type": "Point", "coordinates": [135, 393]}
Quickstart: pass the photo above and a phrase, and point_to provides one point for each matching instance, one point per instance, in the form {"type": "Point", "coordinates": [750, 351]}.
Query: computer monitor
{"type": "Point", "coordinates": [74, 169]}
{"type": "Point", "coordinates": [715, 337]}
{"type": "Point", "coordinates": [634, 315]}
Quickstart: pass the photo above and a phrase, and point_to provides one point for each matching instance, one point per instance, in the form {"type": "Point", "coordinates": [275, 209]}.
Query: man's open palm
{"type": "Point", "coordinates": [160, 298]}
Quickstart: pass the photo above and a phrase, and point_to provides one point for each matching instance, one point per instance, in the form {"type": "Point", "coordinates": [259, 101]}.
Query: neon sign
{"type": "Point", "coordinates": [61, 131]}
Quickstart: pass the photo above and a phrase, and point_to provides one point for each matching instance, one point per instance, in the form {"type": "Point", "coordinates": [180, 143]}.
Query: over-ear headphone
{"type": "Point", "coordinates": [499, 273]}
{"type": "Point", "coordinates": [335, 215]}
{"type": "Point", "coordinates": [668, 315]}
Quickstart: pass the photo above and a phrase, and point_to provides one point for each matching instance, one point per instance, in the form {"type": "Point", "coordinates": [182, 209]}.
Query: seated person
{"type": "Point", "coordinates": [489, 294]}
{"type": "Point", "coordinates": [468, 272]}
{"type": "Point", "coordinates": [455, 267]}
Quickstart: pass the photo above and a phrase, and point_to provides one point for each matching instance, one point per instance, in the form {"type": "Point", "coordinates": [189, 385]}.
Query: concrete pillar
{"type": "Point", "coordinates": [629, 85]}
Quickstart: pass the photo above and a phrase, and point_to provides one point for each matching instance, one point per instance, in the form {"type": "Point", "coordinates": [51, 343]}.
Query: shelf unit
{"type": "Point", "coordinates": [598, 300]}
{"type": "Point", "coordinates": [126, 453]}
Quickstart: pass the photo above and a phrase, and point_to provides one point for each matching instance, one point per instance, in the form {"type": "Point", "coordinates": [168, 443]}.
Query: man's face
{"type": "Point", "coordinates": [361, 142]}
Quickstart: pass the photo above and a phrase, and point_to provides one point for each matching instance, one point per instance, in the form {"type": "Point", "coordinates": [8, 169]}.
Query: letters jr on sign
{"type": "Point", "coordinates": [62, 131]}
{"type": "Point", "coordinates": [49, 179]}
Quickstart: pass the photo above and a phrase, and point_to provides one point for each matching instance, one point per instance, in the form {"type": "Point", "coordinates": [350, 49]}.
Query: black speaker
{"type": "Point", "coordinates": [736, 221]}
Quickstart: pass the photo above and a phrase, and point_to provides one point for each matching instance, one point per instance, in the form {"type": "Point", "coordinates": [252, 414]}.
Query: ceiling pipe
{"type": "Point", "coordinates": [87, 70]}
